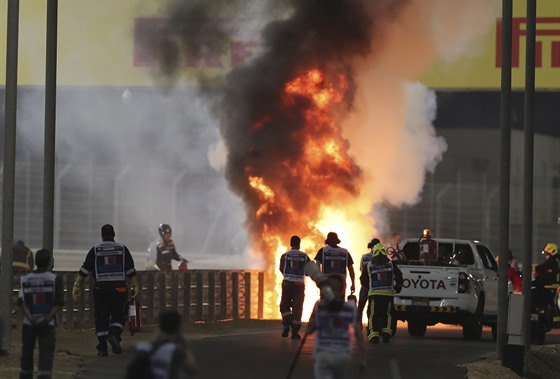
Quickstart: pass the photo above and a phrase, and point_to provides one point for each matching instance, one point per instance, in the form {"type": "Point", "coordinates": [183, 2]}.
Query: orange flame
{"type": "Point", "coordinates": [323, 200]}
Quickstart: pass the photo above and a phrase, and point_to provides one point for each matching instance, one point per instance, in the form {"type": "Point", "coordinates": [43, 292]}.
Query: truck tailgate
{"type": "Point", "coordinates": [429, 282]}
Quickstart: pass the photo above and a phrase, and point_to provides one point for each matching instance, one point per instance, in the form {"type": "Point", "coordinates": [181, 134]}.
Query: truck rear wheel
{"type": "Point", "coordinates": [472, 331]}
{"type": "Point", "coordinates": [416, 328]}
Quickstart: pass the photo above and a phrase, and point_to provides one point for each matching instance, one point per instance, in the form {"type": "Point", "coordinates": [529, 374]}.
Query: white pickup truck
{"type": "Point", "coordinates": [464, 293]}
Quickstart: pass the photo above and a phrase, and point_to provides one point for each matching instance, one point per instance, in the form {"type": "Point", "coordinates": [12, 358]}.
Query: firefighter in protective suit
{"type": "Point", "coordinates": [111, 265]}
{"type": "Point", "coordinates": [548, 273]}
{"type": "Point", "coordinates": [385, 279]}
{"type": "Point", "coordinates": [292, 265]}
{"type": "Point", "coordinates": [166, 250]}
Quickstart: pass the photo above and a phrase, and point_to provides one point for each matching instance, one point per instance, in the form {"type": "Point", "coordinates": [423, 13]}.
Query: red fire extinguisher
{"type": "Point", "coordinates": [133, 309]}
{"type": "Point", "coordinates": [184, 265]}
{"type": "Point", "coordinates": [428, 247]}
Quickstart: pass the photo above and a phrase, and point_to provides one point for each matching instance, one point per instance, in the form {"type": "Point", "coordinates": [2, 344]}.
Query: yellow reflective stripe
{"type": "Point", "coordinates": [435, 309]}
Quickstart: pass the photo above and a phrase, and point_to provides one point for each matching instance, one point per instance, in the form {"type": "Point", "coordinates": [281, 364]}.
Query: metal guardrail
{"type": "Point", "coordinates": [200, 295]}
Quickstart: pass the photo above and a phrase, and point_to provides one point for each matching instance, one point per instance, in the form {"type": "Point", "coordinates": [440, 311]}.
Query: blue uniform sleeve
{"type": "Point", "coordinates": [89, 264]}
{"type": "Point", "coordinates": [319, 256]}
{"type": "Point", "coordinates": [129, 269]}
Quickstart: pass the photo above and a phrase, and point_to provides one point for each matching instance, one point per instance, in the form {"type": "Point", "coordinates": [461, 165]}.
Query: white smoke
{"type": "Point", "coordinates": [391, 131]}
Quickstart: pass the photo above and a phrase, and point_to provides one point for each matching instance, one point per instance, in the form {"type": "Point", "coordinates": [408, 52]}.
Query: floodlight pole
{"type": "Point", "coordinates": [50, 125]}
{"type": "Point", "coordinates": [6, 281]}
{"type": "Point", "coordinates": [528, 165]}
{"type": "Point", "coordinates": [505, 167]}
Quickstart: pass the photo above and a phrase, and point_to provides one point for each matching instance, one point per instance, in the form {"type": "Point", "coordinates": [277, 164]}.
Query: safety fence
{"type": "Point", "coordinates": [200, 295]}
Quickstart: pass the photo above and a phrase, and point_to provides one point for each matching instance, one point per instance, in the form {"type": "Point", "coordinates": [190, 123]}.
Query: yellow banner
{"type": "Point", "coordinates": [484, 70]}
{"type": "Point", "coordinates": [100, 43]}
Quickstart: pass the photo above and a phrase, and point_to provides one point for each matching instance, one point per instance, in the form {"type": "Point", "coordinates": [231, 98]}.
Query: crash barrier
{"type": "Point", "coordinates": [200, 295]}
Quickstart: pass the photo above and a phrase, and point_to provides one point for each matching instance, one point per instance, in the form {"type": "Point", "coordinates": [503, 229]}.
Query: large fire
{"type": "Point", "coordinates": [288, 114]}
{"type": "Point", "coordinates": [322, 199]}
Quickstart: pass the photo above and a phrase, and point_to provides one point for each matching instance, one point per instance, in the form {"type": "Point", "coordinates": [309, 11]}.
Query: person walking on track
{"type": "Point", "coordinates": [111, 265]}
{"type": "Point", "coordinates": [334, 260]}
{"type": "Point", "coordinates": [292, 265]}
{"type": "Point", "coordinates": [332, 320]}
{"type": "Point", "coordinates": [385, 279]}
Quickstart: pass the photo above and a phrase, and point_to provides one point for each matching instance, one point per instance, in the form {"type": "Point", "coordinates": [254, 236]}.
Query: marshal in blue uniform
{"type": "Point", "coordinates": [111, 265]}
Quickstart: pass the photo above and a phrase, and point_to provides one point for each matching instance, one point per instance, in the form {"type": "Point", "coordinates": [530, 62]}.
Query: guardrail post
{"type": "Point", "coordinates": [235, 295]}
{"type": "Point", "coordinates": [199, 296]}
{"type": "Point", "coordinates": [248, 295]}
{"type": "Point", "coordinates": [187, 296]}
{"type": "Point", "coordinates": [223, 295]}
{"type": "Point", "coordinates": [175, 290]}
{"type": "Point", "coordinates": [150, 296]}
{"type": "Point", "coordinates": [162, 288]}
{"type": "Point", "coordinates": [260, 311]}
{"type": "Point", "coordinates": [69, 301]}
{"type": "Point", "coordinates": [211, 296]}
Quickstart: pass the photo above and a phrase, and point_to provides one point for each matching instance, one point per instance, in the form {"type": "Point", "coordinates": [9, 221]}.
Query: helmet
{"type": "Point", "coordinates": [372, 243]}
{"type": "Point", "coordinates": [379, 249]}
{"type": "Point", "coordinates": [551, 249]}
{"type": "Point", "coordinates": [164, 228]}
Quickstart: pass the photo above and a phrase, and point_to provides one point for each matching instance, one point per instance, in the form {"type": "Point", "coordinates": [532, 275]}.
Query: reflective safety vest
{"type": "Point", "coordinates": [335, 260]}
{"type": "Point", "coordinates": [37, 292]}
{"type": "Point", "coordinates": [333, 327]}
{"type": "Point", "coordinates": [294, 262]}
{"type": "Point", "coordinates": [380, 279]}
{"type": "Point", "coordinates": [366, 258]}
{"type": "Point", "coordinates": [109, 262]}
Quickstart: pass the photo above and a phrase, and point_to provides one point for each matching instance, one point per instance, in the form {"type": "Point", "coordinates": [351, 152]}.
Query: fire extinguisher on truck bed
{"type": "Point", "coordinates": [428, 247]}
{"type": "Point", "coordinates": [134, 318]}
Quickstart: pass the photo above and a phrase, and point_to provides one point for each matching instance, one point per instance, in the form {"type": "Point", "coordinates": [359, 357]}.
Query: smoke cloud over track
{"type": "Point", "coordinates": [326, 124]}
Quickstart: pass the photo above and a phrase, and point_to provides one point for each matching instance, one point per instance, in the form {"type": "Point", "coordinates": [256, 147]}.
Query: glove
{"type": "Point", "coordinates": [77, 289]}
{"type": "Point", "coordinates": [134, 288]}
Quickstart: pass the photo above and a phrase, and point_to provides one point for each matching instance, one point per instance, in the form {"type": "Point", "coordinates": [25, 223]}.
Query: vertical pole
{"type": "Point", "coordinates": [6, 281]}
{"type": "Point", "coordinates": [50, 124]}
{"type": "Point", "coordinates": [528, 167]}
{"type": "Point", "coordinates": [505, 163]}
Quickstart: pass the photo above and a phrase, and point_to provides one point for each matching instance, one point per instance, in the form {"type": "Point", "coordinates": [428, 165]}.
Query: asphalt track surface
{"type": "Point", "coordinates": [267, 355]}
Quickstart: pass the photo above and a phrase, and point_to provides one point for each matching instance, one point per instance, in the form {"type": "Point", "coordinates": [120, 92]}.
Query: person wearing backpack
{"type": "Point", "coordinates": [168, 356]}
